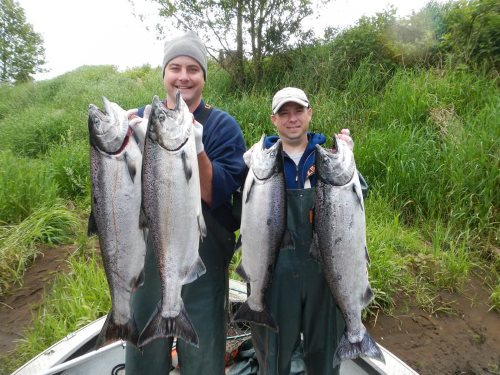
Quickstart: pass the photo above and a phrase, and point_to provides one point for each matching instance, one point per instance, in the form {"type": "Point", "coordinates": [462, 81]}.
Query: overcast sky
{"type": "Point", "coordinates": [97, 32]}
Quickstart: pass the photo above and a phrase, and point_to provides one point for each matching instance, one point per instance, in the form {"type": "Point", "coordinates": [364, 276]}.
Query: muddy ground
{"type": "Point", "coordinates": [466, 342]}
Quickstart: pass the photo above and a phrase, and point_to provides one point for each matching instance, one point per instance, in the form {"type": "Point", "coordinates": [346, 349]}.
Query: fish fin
{"type": "Point", "coordinates": [161, 327]}
{"type": "Point", "coordinates": [356, 188]}
{"type": "Point", "coordinates": [131, 165]}
{"type": "Point", "coordinates": [367, 296]}
{"type": "Point", "coordinates": [367, 256]}
{"type": "Point", "coordinates": [264, 317]}
{"type": "Point", "coordinates": [314, 249]}
{"type": "Point", "coordinates": [143, 221]}
{"type": "Point", "coordinates": [92, 225]}
{"type": "Point", "coordinates": [249, 191]}
{"type": "Point", "coordinates": [242, 273]}
{"type": "Point", "coordinates": [145, 232]}
{"type": "Point", "coordinates": [239, 243]}
{"type": "Point", "coordinates": [366, 347]}
{"type": "Point", "coordinates": [196, 270]}
{"type": "Point", "coordinates": [139, 281]}
{"type": "Point", "coordinates": [188, 171]}
{"type": "Point", "coordinates": [287, 241]}
{"type": "Point", "coordinates": [202, 228]}
{"type": "Point", "coordinates": [111, 331]}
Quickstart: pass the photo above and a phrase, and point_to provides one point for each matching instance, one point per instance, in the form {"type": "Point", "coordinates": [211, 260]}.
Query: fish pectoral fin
{"type": "Point", "coordinates": [247, 198]}
{"type": "Point", "coordinates": [356, 188]}
{"type": "Point", "coordinates": [92, 225]}
{"type": "Point", "coordinates": [188, 171]}
{"type": "Point", "coordinates": [367, 256]}
{"type": "Point", "coordinates": [202, 228]}
{"type": "Point", "coordinates": [196, 270]}
{"type": "Point", "coordinates": [131, 166]}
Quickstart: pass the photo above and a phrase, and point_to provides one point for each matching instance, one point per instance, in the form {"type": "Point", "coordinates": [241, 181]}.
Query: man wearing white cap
{"type": "Point", "coordinates": [220, 147]}
{"type": "Point", "coordinates": [299, 298]}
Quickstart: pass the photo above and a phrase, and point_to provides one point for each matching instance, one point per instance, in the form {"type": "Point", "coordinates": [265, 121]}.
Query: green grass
{"type": "Point", "coordinates": [51, 225]}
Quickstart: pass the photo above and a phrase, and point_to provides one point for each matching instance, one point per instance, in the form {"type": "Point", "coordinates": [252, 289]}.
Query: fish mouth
{"type": "Point", "coordinates": [101, 125]}
{"type": "Point", "coordinates": [266, 163]}
{"type": "Point", "coordinates": [172, 137]}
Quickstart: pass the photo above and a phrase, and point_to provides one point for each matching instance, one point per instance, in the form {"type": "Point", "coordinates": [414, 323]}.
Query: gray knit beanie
{"type": "Point", "coordinates": [188, 44]}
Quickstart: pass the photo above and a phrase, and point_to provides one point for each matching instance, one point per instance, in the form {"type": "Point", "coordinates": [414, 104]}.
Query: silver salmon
{"type": "Point", "coordinates": [339, 243]}
{"type": "Point", "coordinates": [115, 170]}
{"type": "Point", "coordinates": [171, 198]}
{"type": "Point", "coordinates": [263, 223]}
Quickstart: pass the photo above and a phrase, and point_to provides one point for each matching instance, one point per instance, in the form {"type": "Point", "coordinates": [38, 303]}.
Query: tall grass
{"type": "Point", "coordinates": [434, 146]}
{"type": "Point", "coordinates": [50, 225]}
{"type": "Point", "coordinates": [26, 185]}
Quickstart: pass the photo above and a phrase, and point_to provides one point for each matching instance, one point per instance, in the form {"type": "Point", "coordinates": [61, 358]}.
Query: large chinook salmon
{"type": "Point", "coordinates": [115, 171]}
{"type": "Point", "coordinates": [263, 223]}
{"type": "Point", "coordinates": [339, 243]}
{"type": "Point", "coordinates": [171, 199]}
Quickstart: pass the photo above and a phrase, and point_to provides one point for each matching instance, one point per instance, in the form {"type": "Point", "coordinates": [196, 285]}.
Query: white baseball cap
{"type": "Point", "coordinates": [289, 94]}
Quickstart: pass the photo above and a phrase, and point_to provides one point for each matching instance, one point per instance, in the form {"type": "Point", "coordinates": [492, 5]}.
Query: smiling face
{"type": "Point", "coordinates": [292, 121]}
{"type": "Point", "coordinates": [183, 73]}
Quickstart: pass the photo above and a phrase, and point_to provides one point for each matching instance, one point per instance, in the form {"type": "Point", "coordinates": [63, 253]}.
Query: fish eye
{"type": "Point", "coordinates": [162, 117]}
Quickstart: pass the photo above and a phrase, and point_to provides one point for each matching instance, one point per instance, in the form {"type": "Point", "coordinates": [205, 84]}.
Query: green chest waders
{"type": "Point", "coordinates": [300, 301]}
{"type": "Point", "coordinates": [205, 303]}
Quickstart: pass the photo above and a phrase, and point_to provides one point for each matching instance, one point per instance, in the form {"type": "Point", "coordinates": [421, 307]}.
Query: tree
{"type": "Point", "coordinates": [252, 29]}
{"type": "Point", "coordinates": [472, 33]}
{"type": "Point", "coordinates": [21, 49]}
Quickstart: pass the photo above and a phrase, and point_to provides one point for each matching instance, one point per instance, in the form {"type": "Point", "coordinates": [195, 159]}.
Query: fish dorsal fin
{"type": "Point", "coordinates": [188, 171]}
{"type": "Point", "coordinates": [131, 166]}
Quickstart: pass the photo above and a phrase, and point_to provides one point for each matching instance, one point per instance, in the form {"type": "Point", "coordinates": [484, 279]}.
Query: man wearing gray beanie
{"type": "Point", "coordinates": [220, 147]}
{"type": "Point", "coordinates": [188, 44]}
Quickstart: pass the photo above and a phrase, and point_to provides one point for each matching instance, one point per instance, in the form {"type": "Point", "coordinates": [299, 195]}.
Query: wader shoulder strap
{"type": "Point", "coordinates": [204, 114]}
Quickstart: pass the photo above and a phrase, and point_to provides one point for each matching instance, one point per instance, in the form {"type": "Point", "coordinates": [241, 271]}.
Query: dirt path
{"type": "Point", "coordinates": [466, 343]}
{"type": "Point", "coordinates": [17, 308]}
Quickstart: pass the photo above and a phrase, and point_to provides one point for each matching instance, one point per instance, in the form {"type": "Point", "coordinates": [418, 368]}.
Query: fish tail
{"type": "Point", "coordinates": [264, 317]}
{"type": "Point", "coordinates": [367, 347]}
{"type": "Point", "coordinates": [161, 327]}
{"type": "Point", "coordinates": [112, 331]}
